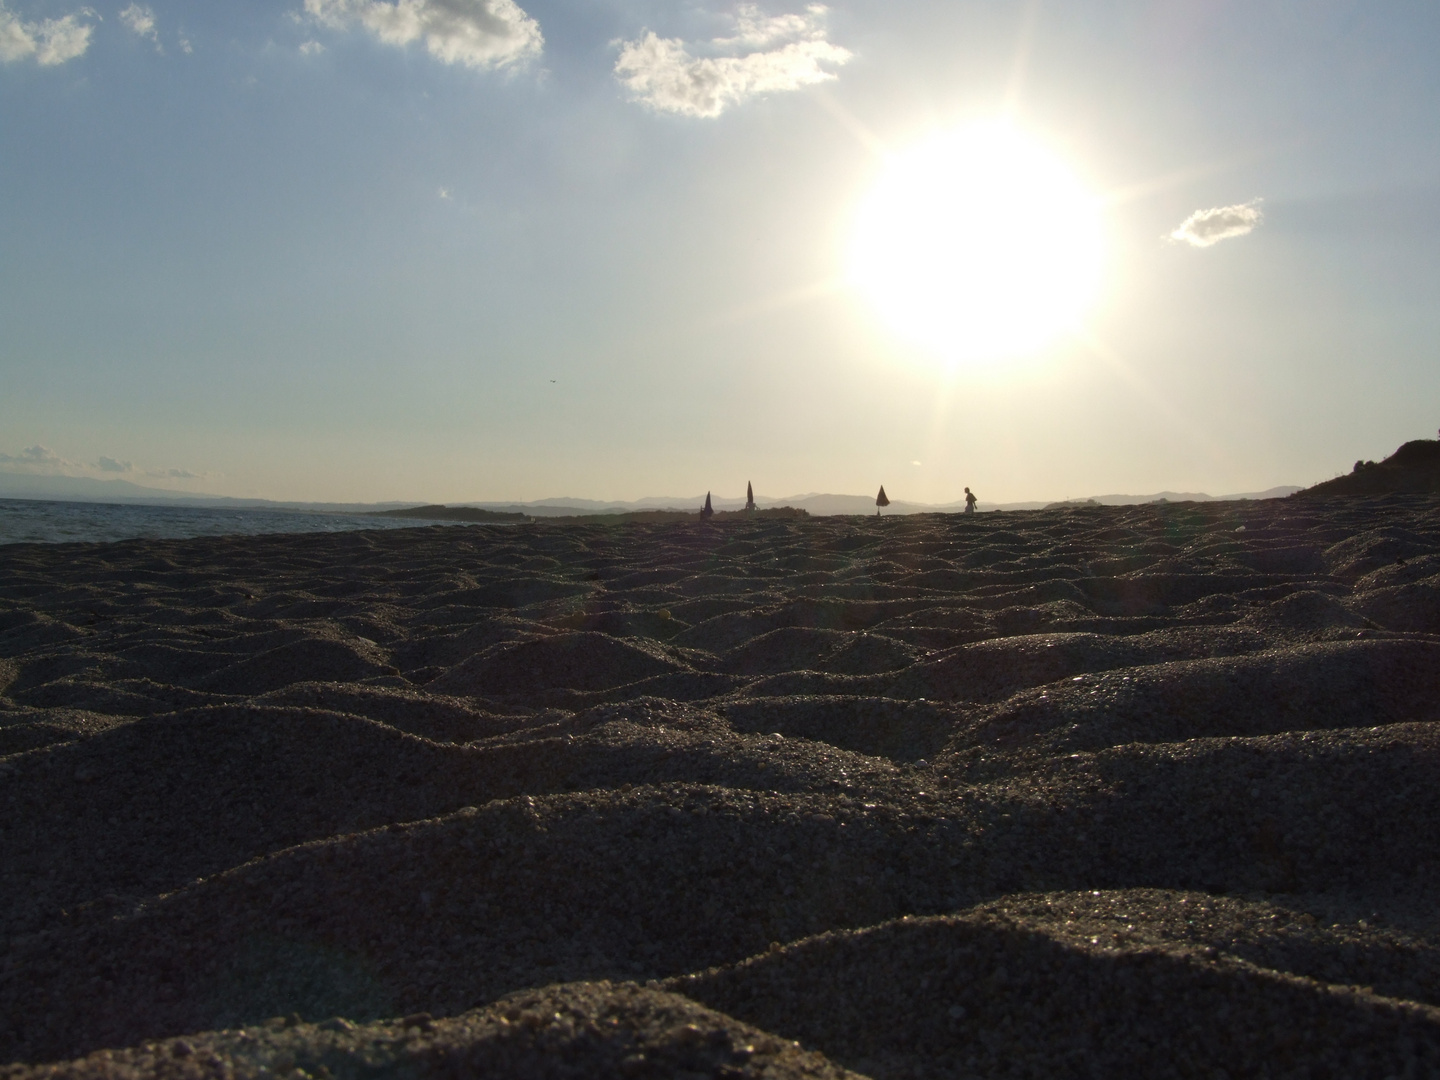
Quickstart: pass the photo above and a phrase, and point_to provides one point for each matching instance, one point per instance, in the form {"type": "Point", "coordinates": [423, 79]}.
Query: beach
{"type": "Point", "coordinates": [1091, 791]}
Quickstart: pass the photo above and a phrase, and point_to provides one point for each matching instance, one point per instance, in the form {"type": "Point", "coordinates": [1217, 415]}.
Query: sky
{"type": "Point", "coordinates": [464, 250]}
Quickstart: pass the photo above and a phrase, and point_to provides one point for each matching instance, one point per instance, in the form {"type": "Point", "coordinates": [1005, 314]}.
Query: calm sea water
{"type": "Point", "coordinates": [33, 521]}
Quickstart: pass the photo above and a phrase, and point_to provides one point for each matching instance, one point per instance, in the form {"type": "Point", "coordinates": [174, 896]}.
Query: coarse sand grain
{"type": "Point", "coordinates": [1099, 791]}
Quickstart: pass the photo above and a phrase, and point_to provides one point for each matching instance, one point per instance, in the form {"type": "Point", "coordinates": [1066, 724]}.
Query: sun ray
{"type": "Point", "coordinates": [1174, 418]}
{"type": "Point", "coordinates": [767, 305]}
{"type": "Point", "coordinates": [658, 333]}
{"type": "Point", "coordinates": [1020, 65]}
{"type": "Point", "coordinates": [1178, 178]}
{"type": "Point", "coordinates": [1143, 189]}
{"type": "Point", "coordinates": [851, 123]}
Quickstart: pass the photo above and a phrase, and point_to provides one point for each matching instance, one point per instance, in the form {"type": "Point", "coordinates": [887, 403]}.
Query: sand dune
{"type": "Point", "coordinates": [1078, 792]}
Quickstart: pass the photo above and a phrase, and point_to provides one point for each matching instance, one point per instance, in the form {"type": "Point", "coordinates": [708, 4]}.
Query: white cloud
{"type": "Point", "coordinates": [756, 31]}
{"type": "Point", "coordinates": [185, 45]}
{"type": "Point", "coordinates": [141, 21]}
{"type": "Point", "coordinates": [49, 41]}
{"type": "Point", "coordinates": [175, 474]}
{"type": "Point", "coordinates": [786, 52]}
{"type": "Point", "coordinates": [477, 33]}
{"type": "Point", "coordinates": [38, 459]}
{"type": "Point", "coordinates": [41, 460]}
{"type": "Point", "coordinates": [1206, 227]}
{"type": "Point", "coordinates": [311, 48]}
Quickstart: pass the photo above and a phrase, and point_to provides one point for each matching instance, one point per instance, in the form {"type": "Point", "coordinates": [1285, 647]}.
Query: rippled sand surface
{"type": "Point", "coordinates": [1139, 791]}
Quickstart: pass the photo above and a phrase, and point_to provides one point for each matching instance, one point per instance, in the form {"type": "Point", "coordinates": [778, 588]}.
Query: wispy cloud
{"type": "Point", "coordinates": [1205, 228]}
{"type": "Point", "coordinates": [311, 48]}
{"type": "Point", "coordinates": [42, 461]}
{"type": "Point", "coordinates": [766, 54]}
{"type": "Point", "coordinates": [38, 459]}
{"type": "Point", "coordinates": [49, 41]}
{"type": "Point", "coordinates": [141, 22]}
{"type": "Point", "coordinates": [115, 467]}
{"type": "Point", "coordinates": [175, 474]}
{"type": "Point", "coordinates": [476, 33]}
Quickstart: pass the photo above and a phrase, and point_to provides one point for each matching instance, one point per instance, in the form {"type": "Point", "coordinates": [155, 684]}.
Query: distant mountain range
{"type": "Point", "coordinates": [819, 504]}
{"type": "Point", "coordinates": [19, 485]}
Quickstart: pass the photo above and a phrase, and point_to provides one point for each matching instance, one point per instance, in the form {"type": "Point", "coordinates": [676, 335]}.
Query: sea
{"type": "Point", "coordinates": [37, 521]}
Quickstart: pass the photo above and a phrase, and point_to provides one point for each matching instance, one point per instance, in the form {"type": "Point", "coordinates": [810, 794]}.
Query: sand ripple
{"type": "Point", "coordinates": [1109, 791]}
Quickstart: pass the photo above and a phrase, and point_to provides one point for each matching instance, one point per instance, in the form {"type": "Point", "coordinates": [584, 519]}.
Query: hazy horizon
{"type": "Point", "coordinates": [87, 489]}
{"type": "Point", "coordinates": [480, 250]}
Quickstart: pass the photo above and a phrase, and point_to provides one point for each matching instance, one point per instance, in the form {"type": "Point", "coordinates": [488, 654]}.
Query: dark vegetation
{"type": "Point", "coordinates": [1413, 469]}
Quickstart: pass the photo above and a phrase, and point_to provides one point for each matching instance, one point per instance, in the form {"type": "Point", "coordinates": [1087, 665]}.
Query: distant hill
{"type": "Point", "coordinates": [1414, 469]}
{"type": "Point", "coordinates": [1162, 497]}
{"type": "Point", "coordinates": [20, 485]}
{"type": "Point", "coordinates": [52, 488]}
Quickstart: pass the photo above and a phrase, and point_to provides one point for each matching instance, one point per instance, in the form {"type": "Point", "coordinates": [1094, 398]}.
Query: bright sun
{"type": "Point", "coordinates": [979, 244]}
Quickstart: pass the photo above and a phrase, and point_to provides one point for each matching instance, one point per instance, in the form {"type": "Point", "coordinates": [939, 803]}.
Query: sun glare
{"type": "Point", "coordinates": [979, 244]}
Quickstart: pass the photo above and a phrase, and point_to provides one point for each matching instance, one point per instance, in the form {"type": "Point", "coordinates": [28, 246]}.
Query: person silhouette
{"type": "Point", "coordinates": [970, 501]}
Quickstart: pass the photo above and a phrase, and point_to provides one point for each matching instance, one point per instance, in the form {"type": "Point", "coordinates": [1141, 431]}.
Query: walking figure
{"type": "Point", "coordinates": [882, 499]}
{"type": "Point", "coordinates": [708, 511]}
{"type": "Point", "coordinates": [970, 501]}
{"type": "Point", "coordinates": [749, 497]}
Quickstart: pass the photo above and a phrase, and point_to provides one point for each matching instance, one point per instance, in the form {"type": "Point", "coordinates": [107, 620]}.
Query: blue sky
{"type": "Point", "coordinates": [468, 250]}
